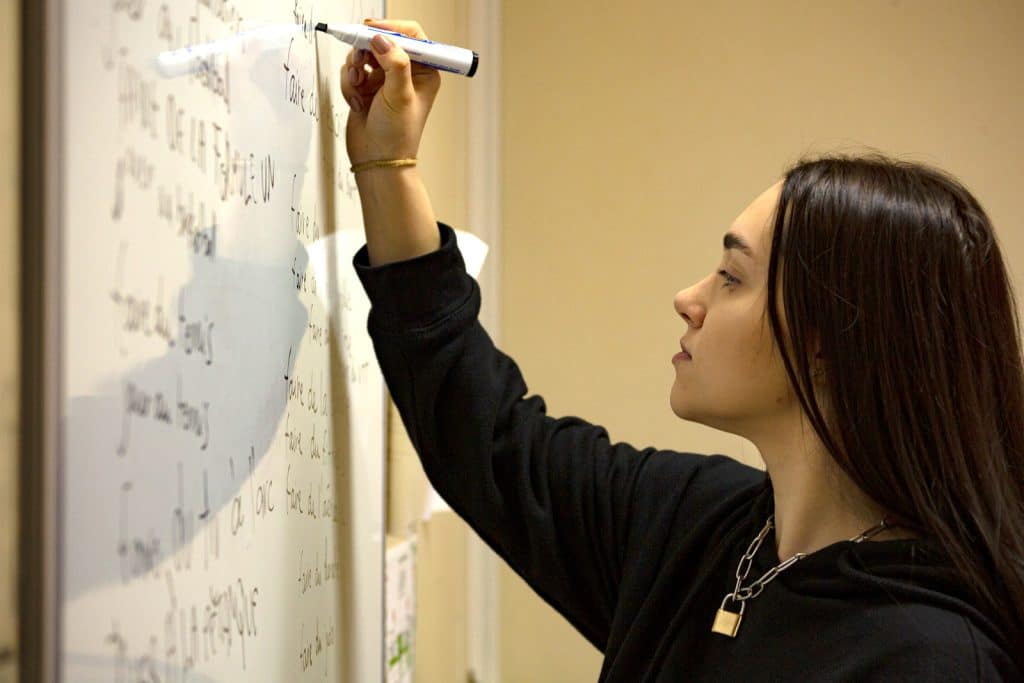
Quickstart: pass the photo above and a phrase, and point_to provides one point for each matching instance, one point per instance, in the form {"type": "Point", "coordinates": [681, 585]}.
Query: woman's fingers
{"type": "Point", "coordinates": [364, 73]}
{"type": "Point", "coordinates": [398, 91]}
{"type": "Point", "coordinates": [375, 79]}
{"type": "Point", "coordinates": [357, 69]}
{"type": "Point", "coordinates": [406, 28]}
{"type": "Point", "coordinates": [368, 75]}
{"type": "Point", "coordinates": [364, 58]}
{"type": "Point", "coordinates": [361, 78]}
{"type": "Point", "coordinates": [348, 88]}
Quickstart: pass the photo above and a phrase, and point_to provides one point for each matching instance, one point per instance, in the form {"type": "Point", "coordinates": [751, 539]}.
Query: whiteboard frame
{"type": "Point", "coordinates": [483, 201]}
{"type": "Point", "coordinates": [40, 281]}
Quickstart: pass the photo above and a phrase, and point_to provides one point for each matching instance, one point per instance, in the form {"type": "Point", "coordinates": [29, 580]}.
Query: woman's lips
{"type": "Point", "coordinates": [683, 353]}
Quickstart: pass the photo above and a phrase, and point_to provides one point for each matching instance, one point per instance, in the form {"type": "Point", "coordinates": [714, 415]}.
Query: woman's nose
{"type": "Point", "coordinates": [687, 304]}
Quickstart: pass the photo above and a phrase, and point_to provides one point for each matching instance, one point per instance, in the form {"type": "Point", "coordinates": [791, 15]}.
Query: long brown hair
{"type": "Point", "coordinates": [891, 270]}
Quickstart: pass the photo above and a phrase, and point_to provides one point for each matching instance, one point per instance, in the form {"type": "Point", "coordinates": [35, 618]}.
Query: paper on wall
{"type": "Point", "coordinates": [474, 251]}
{"type": "Point", "coordinates": [400, 610]}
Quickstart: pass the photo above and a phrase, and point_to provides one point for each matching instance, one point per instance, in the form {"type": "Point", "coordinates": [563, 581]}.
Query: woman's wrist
{"type": "Point", "coordinates": [397, 214]}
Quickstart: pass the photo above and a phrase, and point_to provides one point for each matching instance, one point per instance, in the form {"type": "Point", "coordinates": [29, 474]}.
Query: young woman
{"type": "Point", "coordinates": [860, 330]}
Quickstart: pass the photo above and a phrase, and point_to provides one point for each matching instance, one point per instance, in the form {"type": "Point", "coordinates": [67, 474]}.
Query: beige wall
{"type": "Point", "coordinates": [9, 289]}
{"type": "Point", "coordinates": [635, 133]}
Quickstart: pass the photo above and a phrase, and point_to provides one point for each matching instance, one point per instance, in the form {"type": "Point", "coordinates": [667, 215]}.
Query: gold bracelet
{"type": "Point", "coordinates": [382, 163]}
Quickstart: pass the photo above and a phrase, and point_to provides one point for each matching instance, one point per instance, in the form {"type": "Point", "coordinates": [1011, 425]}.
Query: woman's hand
{"type": "Point", "coordinates": [390, 102]}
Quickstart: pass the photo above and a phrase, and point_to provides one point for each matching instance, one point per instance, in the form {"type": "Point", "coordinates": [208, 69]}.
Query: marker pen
{"type": "Point", "coordinates": [456, 60]}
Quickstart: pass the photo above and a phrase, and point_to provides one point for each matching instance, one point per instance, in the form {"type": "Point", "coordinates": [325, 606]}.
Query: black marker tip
{"type": "Point", "coordinates": [321, 27]}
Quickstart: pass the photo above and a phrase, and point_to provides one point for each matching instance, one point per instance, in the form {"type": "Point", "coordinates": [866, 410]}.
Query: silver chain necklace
{"type": "Point", "coordinates": [728, 623]}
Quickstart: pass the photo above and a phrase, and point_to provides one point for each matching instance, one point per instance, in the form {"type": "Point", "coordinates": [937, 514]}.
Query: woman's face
{"type": "Point", "coordinates": [734, 378]}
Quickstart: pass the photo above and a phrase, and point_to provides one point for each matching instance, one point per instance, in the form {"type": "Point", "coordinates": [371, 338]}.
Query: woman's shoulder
{"type": "Point", "coordinates": [688, 491]}
{"type": "Point", "coordinates": [695, 475]}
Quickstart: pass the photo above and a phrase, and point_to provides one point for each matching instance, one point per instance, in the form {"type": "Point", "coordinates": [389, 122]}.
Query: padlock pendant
{"type": "Point", "coordinates": [728, 623]}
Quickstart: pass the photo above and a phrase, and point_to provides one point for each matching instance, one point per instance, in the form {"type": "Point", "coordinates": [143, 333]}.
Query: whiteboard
{"type": "Point", "coordinates": [222, 416]}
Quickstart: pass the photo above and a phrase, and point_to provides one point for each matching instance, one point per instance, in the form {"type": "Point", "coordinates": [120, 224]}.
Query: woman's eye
{"type": "Point", "coordinates": [730, 279]}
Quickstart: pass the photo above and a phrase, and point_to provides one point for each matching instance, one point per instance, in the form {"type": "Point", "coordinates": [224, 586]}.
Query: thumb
{"type": "Point", "coordinates": [398, 91]}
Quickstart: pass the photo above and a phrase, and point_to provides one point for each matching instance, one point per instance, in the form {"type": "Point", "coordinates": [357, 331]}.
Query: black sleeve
{"type": "Point", "coordinates": [553, 497]}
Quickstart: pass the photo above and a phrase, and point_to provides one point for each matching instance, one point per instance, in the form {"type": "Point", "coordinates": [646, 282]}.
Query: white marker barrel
{"type": "Point", "coordinates": [456, 60]}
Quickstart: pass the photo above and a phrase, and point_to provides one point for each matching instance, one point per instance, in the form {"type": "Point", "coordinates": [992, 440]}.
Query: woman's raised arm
{"type": "Point", "coordinates": [389, 108]}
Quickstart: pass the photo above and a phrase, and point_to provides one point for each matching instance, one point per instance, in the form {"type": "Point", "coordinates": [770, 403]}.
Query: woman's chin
{"type": "Point", "coordinates": [680, 406]}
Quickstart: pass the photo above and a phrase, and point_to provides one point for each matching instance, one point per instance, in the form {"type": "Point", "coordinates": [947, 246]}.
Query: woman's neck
{"type": "Point", "coordinates": [816, 503]}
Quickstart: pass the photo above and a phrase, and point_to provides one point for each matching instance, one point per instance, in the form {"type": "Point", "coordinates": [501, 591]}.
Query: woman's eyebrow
{"type": "Point", "coordinates": [733, 241]}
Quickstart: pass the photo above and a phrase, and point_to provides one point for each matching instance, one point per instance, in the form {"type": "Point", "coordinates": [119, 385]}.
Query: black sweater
{"type": "Point", "coordinates": [636, 548]}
